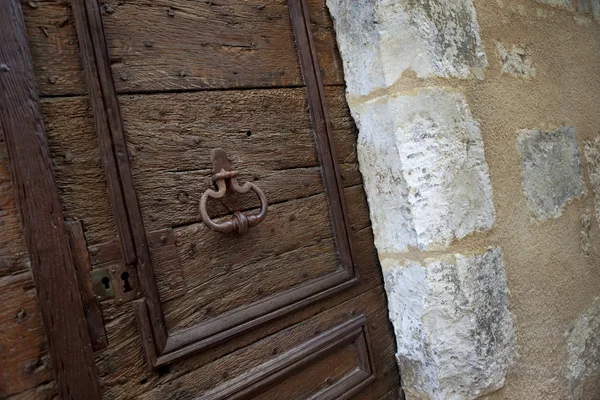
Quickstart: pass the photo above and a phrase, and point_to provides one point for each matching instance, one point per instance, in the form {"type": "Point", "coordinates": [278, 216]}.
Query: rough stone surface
{"type": "Point", "coordinates": [583, 6]}
{"type": "Point", "coordinates": [454, 331]}
{"type": "Point", "coordinates": [380, 39]}
{"type": "Point", "coordinates": [596, 9]}
{"type": "Point", "coordinates": [586, 232]}
{"type": "Point", "coordinates": [592, 156]}
{"type": "Point", "coordinates": [551, 169]}
{"type": "Point", "coordinates": [583, 343]}
{"type": "Point", "coordinates": [564, 4]}
{"type": "Point", "coordinates": [516, 62]}
{"type": "Point", "coordinates": [424, 170]}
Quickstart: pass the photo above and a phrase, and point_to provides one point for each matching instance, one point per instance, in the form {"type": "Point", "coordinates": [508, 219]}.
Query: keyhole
{"type": "Point", "coordinates": [126, 285]}
{"type": "Point", "coordinates": [106, 282]}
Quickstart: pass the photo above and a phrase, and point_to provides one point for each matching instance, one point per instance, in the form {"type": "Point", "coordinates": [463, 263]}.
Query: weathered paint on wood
{"type": "Point", "coordinates": [41, 213]}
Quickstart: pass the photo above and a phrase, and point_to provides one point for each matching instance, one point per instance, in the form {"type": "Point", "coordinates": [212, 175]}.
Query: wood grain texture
{"type": "Point", "coordinates": [338, 353]}
{"type": "Point", "coordinates": [77, 164]}
{"type": "Point", "coordinates": [24, 350]}
{"type": "Point", "coordinates": [197, 381]}
{"type": "Point", "coordinates": [111, 136]}
{"type": "Point", "coordinates": [122, 365]}
{"type": "Point", "coordinates": [323, 131]}
{"type": "Point", "coordinates": [300, 226]}
{"type": "Point", "coordinates": [228, 44]}
{"type": "Point", "coordinates": [165, 261]}
{"type": "Point", "coordinates": [41, 213]}
{"type": "Point", "coordinates": [170, 137]}
{"type": "Point", "coordinates": [13, 252]}
{"type": "Point", "coordinates": [83, 266]}
{"type": "Point", "coordinates": [58, 70]}
{"type": "Point", "coordinates": [53, 42]}
{"type": "Point", "coordinates": [44, 391]}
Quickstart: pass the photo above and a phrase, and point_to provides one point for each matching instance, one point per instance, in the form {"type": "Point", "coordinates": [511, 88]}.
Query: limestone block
{"type": "Point", "coordinates": [551, 170]}
{"type": "Point", "coordinates": [596, 9]}
{"type": "Point", "coordinates": [380, 39]}
{"type": "Point", "coordinates": [516, 62]}
{"type": "Point", "coordinates": [454, 331]}
{"type": "Point", "coordinates": [564, 4]}
{"type": "Point", "coordinates": [422, 160]}
{"type": "Point", "coordinates": [583, 344]}
{"type": "Point", "coordinates": [592, 156]}
{"type": "Point", "coordinates": [583, 6]}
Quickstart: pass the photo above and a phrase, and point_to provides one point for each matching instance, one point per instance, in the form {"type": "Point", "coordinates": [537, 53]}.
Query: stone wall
{"type": "Point", "coordinates": [479, 147]}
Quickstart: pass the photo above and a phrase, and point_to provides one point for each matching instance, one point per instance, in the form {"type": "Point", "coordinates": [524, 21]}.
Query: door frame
{"type": "Point", "coordinates": [38, 202]}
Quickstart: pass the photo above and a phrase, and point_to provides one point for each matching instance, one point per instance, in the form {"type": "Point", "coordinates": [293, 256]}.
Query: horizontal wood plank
{"type": "Point", "coordinates": [58, 71]}
{"type": "Point", "coordinates": [298, 224]}
{"type": "Point", "coordinates": [228, 44]}
{"type": "Point", "coordinates": [266, 133]}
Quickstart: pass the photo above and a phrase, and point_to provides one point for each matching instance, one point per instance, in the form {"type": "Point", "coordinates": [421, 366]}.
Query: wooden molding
{"type": "Point", "coordinates": [115, 158]}
{"type": "Point", "coordinates": [162, 347]}
{"type": "Point", "coordinates": [52, 264]}
{"type": "Point", "coordinates": [321, 122]}
{"type": "Point", "coordinates": [83, 266]}
{"type": "Point", "coordinates": [353, 332]}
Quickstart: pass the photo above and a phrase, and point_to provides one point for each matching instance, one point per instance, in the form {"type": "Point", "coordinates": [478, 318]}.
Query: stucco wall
{"type": "Point", "coordinates": [479, 145]}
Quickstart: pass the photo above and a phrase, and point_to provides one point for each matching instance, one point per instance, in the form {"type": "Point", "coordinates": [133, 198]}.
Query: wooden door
{"type": "Point", "coordinates": [293, 308]}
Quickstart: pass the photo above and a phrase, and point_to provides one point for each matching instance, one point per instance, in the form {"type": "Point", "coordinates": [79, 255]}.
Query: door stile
{"type": "Point", "coordinates": [52, 265]}
{"type": "Point", "coordinates": [115, 158]}
{"type": "Point", "coordinates": [309, 64]}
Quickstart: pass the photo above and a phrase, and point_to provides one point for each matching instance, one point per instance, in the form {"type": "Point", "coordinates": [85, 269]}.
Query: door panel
{"type": "Point", "coordinates": [302, 291]}
{"type": "Point", "coordinates": [235, 284]}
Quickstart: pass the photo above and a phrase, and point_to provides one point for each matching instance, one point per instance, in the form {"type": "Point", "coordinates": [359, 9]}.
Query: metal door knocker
{"type": "Point", "coordinates": [226, 178]}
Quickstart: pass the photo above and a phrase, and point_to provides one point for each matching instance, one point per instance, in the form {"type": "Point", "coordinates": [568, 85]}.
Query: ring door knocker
{"type": "Point", "coordinates": [226, 179]}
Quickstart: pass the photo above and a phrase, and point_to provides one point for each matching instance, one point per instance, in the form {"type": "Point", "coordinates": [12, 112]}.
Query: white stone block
{"type": "Point", "coordinates": [564, 4]}
{"type": "Point", "coordinates": [516, 61]}
{"type": "Point", "coordinates": [422, 160]}
{"type": "Point", "coordinates": [454, 332]}
{"type": "Point", "coordinates": [380, 39]}
{"type": "Point", "coordinates": [592, 156]}
{"type": "Point", "coordinates": [551, 170]}
{"type": "Point", "coordinates": [583, 344]}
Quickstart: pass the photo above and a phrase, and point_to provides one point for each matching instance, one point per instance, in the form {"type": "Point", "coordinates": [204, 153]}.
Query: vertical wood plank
{"type": "Point", "coordinates": [111, 135]}
{"type": "Point", "coordinates": [41, 213]}
{"type": "Point", "coordinates": [323, 131]}
{"type": "Point", "coordinates": [83, 266]}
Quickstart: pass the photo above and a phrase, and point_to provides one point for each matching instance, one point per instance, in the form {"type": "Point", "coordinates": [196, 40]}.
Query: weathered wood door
{"type": "Point", "coordinates": [293, 308]}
